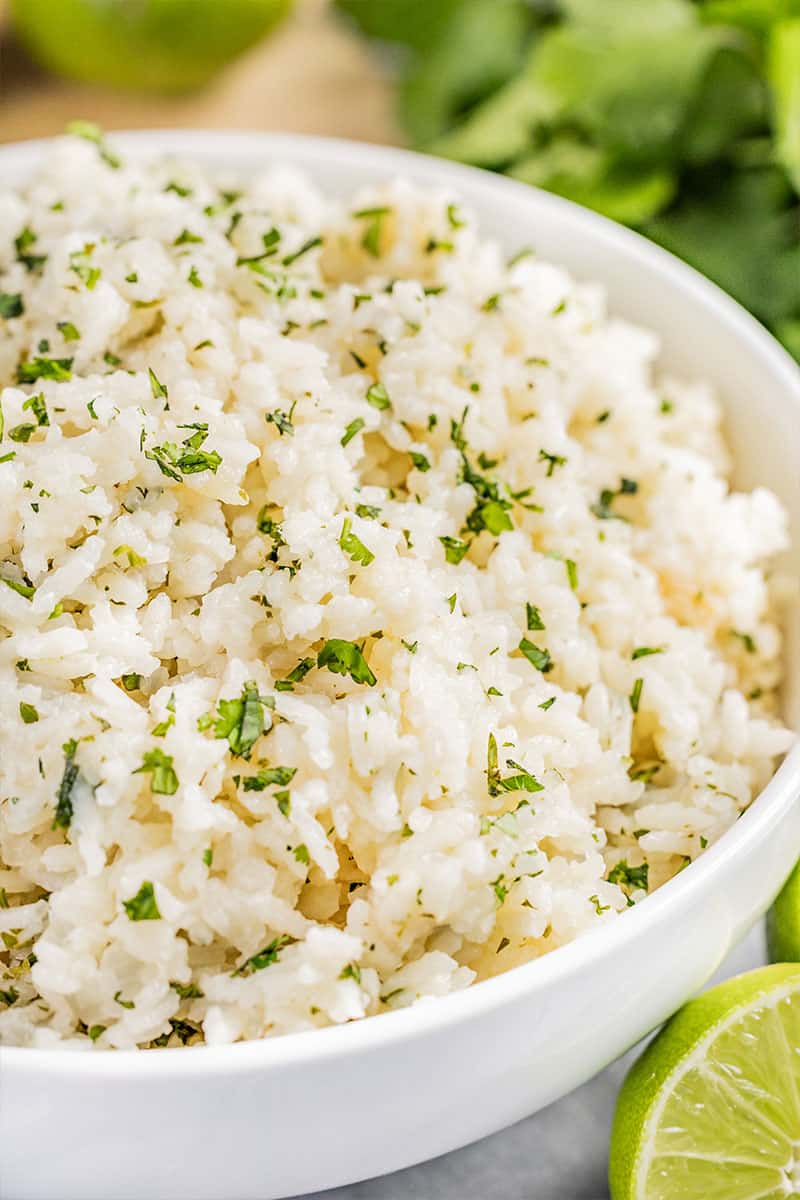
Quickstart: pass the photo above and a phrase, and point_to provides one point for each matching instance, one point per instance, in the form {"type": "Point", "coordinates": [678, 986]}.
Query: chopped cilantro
{"type": "Point", "coordinates": [572, 573]}
{"type": "Point", "coordinates": [301, 854]}
{"type": "Point", "coordinates": [304, 249]}
{"type": "Point", "coordinates": [163, 780]}
{"type": "Point", "coordinates": [352, 429]}
{"type": "Point", "coordinates": [64, 795]}
{"type": "Point", "coordinates": [419, 460]}
{"type": "Point", "coordinates": [80, 265]}
{"type": "Point", "coordinates": [28, 713]}
{"type": "Point", "coordinates": [371, 239]}
{"type": "Point", "coordinates": [454, 549]}
{"type": "Point", "coordinates": [629, 878]}
{"type": "Point", "coordinates": [269, 777]}
{"type": "Point", "coordinates": [193, 278]}
{"type": "Point", "coordinates": [68, 331]}
{"type": "Point", "coordinates": [241, 721]}
{"type": "Point", "coordinates": [296, 675]}
{"type": "Point", "coordinates": [378, 397]}
{"type": "Point", "coordinates": [59, 370]}
{"type": "Point", "coordinates": [491, 510]}
{"type": "Point", "coordinates": [26, 590]}
{"type": "Point", "coordinates": [175, 461]}
{"type": "Point", "coordinates": [411, 647]}
{"type": "Point", "coordinates": [142, 906]}
{"type": "Point", "coordinates": [11, 305]}
{"type": "Point", "coordinates": [266, 957]}
{"type": "Point", "coordinates": [187, 238]}
{"type": "Point", "coordinates": [281, 420]}
{"type": "Point", "coordinates": [533, 617]}
{"type": "Point", "coordinates": [537, 657]}
{"type": "Point", "coordinates": [94, 134]}
{"type": "Point", "coordinates": [644, 651]}
{"type": "Point", "coordinates": [747, 639]}
{"type": "Point", "coordinates": [345, 658]}
{"type": "Point", "coordinates": [23, 243]}
{"type": "Point", "coordinates": [158, 389]}
{"type": "Point", "coordinates": [602, 507]}
{"type": "Point", "coordinates": [353, 546]}
{"type": "Point", "coordinates": [187, 991]}
{"type": "Point", "coordinates": [21, 433]}
{"type": "Point", "coordinates": [522, 781]}
{"type": "Point", "coordinates": [368, 511]}
{"type": "Point", "coordinates": [552, 460]}
{"type": "Point", "coordinates": [547, 703]}
{"type": "Point", "coordinates": [38, 406]}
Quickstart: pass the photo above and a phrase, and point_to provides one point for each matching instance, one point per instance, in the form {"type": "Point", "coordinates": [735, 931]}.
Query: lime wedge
{"type": "Point", "coordinates": [783, 922]}
{"type": "Point", "coordinates": [156, 45]}
{"type": "Point", "coordinates": [711, 1110]}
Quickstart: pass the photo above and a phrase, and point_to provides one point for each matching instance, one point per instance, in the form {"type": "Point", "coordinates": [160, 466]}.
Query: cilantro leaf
{"type": "Point", "coordinates": [345, 658]}
{"type": "Point", "coordinates": [142, 906]}
{"type": "Point", "coordinates": [536, 656]}
{"type": "Point", "coordinates": [241, 721]}
{"type": "Point", "coordinates": [65, 793]}
{"type": "Point", "coordinates": [353, 546]}
{"type": "Point", "coordinates": [11, 305]}
{"type": "Point", "coordinates": [266, 957]}
{"type": "Point", "coordinates": [59, 370]}
{"type": "Point", "coordinates": [158, 765]}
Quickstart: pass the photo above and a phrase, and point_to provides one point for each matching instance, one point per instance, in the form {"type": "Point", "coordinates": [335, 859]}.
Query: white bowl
{"type": "Point", "coordinates": [268, 1119]}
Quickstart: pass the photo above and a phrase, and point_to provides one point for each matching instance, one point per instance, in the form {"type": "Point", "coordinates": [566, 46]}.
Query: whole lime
{"type": "Point", "coordinates": [152, 45]}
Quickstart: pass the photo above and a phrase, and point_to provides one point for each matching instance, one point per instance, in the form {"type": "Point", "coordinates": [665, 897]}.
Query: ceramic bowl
{"type": "Point", "coordinates": [276, 1118]}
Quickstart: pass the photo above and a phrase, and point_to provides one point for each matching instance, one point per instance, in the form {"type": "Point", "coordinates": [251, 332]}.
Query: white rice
{"type": "Point", "coordinates": [462, 813]}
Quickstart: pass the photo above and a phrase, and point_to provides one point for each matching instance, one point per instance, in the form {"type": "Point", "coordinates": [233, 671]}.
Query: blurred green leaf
{"type": "Point", "coordinates": [757, 16]}
{"type": "Point", "coordinates": [416, 23]}
{"type": "Point", "coordinates": [730, 103]}
{"type": "Point", "coordinates": [740, 228]}
{"type": "Point", "coordinates": [588, 175]}
{"type": "Point", "coordinates": [631, 91]}
{"type": "Point", "coordinates": [783, 69]}
{"type": "Point", "coordinates": [484, 47]}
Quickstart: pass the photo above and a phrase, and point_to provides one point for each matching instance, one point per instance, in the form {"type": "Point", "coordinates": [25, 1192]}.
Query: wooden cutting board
{"type": "Point", "coordinates": [312, 76]}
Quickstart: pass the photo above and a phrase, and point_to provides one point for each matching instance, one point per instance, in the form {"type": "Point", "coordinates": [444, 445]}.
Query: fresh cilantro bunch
{"type": "Point", "coordinates": [680, 118]}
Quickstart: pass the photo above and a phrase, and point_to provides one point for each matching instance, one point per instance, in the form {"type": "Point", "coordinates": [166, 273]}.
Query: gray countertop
{"type": "Point", "coordinates": [558, 1154]}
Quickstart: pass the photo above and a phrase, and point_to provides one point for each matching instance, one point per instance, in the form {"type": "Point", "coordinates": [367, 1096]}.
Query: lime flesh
{"type": "Point", "coordinates": [155, 45]}
{"type": "Point", "coordinates": [711, 1110]}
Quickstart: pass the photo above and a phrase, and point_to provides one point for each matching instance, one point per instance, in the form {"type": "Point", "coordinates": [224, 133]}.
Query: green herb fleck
{"type": "Point", "coordinates": [163, 780]}
{"type": "Point", "coordinates": [345, 658]}
{"type": "Point", "coordinates": [142, 906]}
{"type": "Point", "coordinates": [378, 397]}
{"type": "Point", "coordinates": [353, 546]}
{"type": "Point", "coordinates": [241, 721]}
{"type": "Point", "coordinates": [536, 656]}
{"type": "Point", "coordinates": [11, 305]}
{"type": "Point", "coordinates": [454, 549]}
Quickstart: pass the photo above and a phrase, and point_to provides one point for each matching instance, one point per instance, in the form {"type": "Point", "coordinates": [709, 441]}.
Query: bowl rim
{"type": "Point", "coordinates": [234, 148]}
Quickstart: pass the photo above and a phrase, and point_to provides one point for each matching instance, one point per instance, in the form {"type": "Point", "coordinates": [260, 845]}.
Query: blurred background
{"type": "Point", "coordinates": [680, 118]}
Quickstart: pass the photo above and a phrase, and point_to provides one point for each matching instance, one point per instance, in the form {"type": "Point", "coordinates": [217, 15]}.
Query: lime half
{"type": "Point", "coordinates": [711, 1110]}
{"type": "Point", "coordinates": [156, 45]}
{"type": "Point", "coordinates": [783, 922]}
